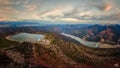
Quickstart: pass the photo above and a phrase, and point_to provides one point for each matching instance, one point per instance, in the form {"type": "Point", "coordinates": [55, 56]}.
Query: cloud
{"type": "Point", "coordinates": [5, 2]}
{"type": "Point", "coordinates": [104, 7]}
{"type": "Point", "coordinates": [13, 2]}
{"type": "Point", "coordinates": [53, 13]}
{"type": "Point", "coordinates": [107, 7]}
{"type": "Point", "coordinates": [31, 7]}
{"type": "Point", "coordinates": [61, 10]}
{"type": "Point", "coordinates": [8, 11]}
{"type": "Point", "coordinates": [71, 20]}
{"type": "Point", "coordinates": [3, 18]}
{"type": "Point", "coordinates": [56, 14]}
{"type": "Point", "coordinates": [73, 14]}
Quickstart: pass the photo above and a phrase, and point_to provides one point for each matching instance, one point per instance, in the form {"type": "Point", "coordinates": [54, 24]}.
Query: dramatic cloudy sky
{"type": "Point", "coordinates": [72, 11]}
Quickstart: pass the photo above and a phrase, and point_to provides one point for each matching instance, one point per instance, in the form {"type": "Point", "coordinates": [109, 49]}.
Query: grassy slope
{"type": "Point", "coordinates": [6, 43]}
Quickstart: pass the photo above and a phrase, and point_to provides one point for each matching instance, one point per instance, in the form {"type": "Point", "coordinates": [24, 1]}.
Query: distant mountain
{"type": "Point", "coordinates": [17, 24]}
{"type": "Point", "coordinates": [90, 32]}
{"type": "Point", "coordinates": [98, 33]}
{"type": "Point", "coordinates": [108, 34]}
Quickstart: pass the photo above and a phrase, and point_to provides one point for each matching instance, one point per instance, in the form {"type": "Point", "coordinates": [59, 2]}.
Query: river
{"type": "Point", "coordinates": [86, 43]}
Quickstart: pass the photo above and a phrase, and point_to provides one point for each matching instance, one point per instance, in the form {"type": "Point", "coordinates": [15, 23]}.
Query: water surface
{"type": "Point", "coordinates": [86, 43]}
{"type": "Point", "coordinates": [27, 37]}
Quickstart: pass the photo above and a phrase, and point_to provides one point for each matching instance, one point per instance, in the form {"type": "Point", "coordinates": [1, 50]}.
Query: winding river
{"type": "Point", "coordinates": [86, 43]}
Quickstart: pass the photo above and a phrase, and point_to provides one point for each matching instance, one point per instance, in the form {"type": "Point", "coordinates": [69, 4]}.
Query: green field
{"type": "Point", "coordinates": [6, 43]}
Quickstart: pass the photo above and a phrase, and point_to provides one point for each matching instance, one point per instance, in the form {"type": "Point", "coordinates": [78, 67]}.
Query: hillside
{"type": "Point", "coordinates": [61, 53]}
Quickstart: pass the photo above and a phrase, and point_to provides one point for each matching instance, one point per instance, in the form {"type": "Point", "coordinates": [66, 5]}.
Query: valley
{"type": "Point", "coordinates": [61, 52]}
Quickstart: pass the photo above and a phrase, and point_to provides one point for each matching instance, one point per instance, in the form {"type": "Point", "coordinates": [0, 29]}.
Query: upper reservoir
{"type": "Point", "coordinates": [26, 37]}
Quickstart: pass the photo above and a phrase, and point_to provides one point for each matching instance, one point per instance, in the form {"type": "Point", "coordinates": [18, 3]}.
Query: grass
{"type": "Point", "coordinates": [6, 43]}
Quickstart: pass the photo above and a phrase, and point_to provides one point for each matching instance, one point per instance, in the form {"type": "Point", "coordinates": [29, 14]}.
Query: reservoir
{"type": "Point", "coordinates": [26, 37]}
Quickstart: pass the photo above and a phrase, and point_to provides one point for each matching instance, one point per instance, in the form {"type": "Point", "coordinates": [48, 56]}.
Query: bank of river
{"type": "Point", "coordinates": [90, 44]}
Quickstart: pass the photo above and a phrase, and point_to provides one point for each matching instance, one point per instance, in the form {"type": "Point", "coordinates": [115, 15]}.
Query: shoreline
{"type": "Point", "coordinates": [41, 41]}
{"type": "Point", "coordinates": [95, 44]}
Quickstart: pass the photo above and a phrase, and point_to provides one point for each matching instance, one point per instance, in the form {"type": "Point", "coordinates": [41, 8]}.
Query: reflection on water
{"type": "Point", "coordinates": [86, 43]}
{"type": "Point", "coordinates": [27, 37]}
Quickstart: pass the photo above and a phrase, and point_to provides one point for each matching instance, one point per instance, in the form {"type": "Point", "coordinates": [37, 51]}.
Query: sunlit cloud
{"type": "Point", "coordinates": [71, 20]}
{"type": "Point", "coordinates": [107, 7]}
{"type": "Point", "coordinates": [3, 18]}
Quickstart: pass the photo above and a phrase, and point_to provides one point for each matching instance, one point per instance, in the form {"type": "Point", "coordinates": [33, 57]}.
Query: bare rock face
{"type": "Point", "coordinates": [106, 35]}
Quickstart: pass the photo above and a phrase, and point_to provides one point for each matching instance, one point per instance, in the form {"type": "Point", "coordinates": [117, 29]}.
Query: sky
{"type": "Point", "coordinates": [70, 11]}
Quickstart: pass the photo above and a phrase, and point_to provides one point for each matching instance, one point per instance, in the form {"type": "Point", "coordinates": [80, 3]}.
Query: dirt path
{"type": "Point", "coordinates": [34, 53]}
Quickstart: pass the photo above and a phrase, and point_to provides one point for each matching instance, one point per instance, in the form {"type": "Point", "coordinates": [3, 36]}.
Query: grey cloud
{"type": "Point", "coordinates": [80, 9]}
